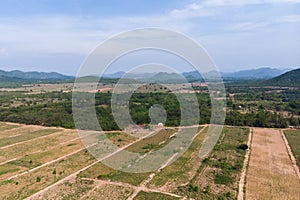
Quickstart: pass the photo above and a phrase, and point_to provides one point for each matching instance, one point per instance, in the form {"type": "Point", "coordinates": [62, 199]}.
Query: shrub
{"type": "Point", "coordinates": [193, 188]}
{"type": "Point", "coordinates": [223, 179]}
{"type": "Point", "coordinates": [243, 147]}
{"type": "Point", "coordinates": [38, 179]}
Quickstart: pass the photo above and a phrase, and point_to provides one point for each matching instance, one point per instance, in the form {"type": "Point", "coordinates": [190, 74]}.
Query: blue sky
{"type": "Point", "coordinates": [55, 35]}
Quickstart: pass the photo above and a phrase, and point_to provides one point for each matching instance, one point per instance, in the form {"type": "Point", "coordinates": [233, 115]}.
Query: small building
{"type": "Point", "coordinates": [160, 124]}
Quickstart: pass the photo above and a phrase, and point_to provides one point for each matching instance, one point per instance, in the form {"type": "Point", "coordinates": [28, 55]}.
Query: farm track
{"type": "Point", "coordinates": [242, 182]}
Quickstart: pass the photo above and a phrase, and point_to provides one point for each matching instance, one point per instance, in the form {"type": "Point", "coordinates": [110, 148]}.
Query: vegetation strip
{"type": "Point", "coordinates": [26, 139]}
{"type": "Point", "coordinates": [242, 182]}
{"type": "Point", "coordinates": [292, 157]}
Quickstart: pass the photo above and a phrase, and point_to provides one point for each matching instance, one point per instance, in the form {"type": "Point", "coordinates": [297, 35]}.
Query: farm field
{"type": "Point", "coordinates": [56, 165]}
{"type": "Point", "coordinates": [270, 172]}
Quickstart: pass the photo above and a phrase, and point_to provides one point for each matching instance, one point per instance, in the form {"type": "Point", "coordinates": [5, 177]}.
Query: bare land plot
{"type": "Point", "coordinates": [31, 161]}
{"type": "Point", "coordinates": [73, 189]}
{"type": "Point", "coordinates": [101, 171]}
{"type": "Point", "coordinates": [45, 162]}
{"type": "Point", "coordinates": [270, 173]}
{"type": "Point", "coordinates": [28, 167]}
{"type": "Point", "coordinates": [219, 175]}
{"type": "Point", "coordinates": [86, 190]}
{"type": "Point", "coordinates": [181, 170]}
{"type": "Point", "coordinates": [36, 145]}
{"type": "Point", "coordinates": [34, 181]}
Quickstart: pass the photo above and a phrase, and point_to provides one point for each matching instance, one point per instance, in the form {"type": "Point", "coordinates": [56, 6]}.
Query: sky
{"type": "Point", "coordinates": [55, 35]}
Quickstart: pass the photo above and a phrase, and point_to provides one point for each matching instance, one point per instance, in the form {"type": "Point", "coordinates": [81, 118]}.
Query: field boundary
{"type": "Point", "coordinates": [242, 182]}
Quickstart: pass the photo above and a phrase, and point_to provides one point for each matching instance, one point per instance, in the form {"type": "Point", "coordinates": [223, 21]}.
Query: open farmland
{"type": "Point", "coordinates": [56, 165]}
{"type": "Point", "coordinates": [271, 174]}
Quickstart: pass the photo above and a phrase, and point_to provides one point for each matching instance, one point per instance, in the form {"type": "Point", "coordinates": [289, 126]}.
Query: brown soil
{"type": "Point", "coordinates": [271, 174]}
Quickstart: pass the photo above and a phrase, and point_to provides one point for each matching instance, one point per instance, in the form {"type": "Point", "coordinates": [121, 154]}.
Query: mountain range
{"type": "Point", "coordinates": [34, 75]}
{"type": "Point", "coordinates": [291, 78]}
{"type": "Point", "coordinates": [272, 75]}
{"type": "Point", "coordinates": [260, 73]}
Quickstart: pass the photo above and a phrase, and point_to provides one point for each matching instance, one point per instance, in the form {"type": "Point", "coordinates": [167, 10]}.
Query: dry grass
{"type": "Point", "coordinates": [36, 159]}
{"type": "Point", "coordinates": [36, 145]}
{"type": "Point", "coordinates": [5, 126]}
{"type": "Point", "coordinates": [72, 189]}
{"type": "Point", "coordinates": [30, 183]}
{"type": "Point", "coordinates": [26, 136]}
{"type": "Point", "coordinates": [270, 174]}
{"type": "Point", "coordinates": [103, 172]}
{"type": "Point", "coordinates": [152, 142]}
{"type": "Point", "coordinates": [18, 130]}
{"type": "Point", "coordinates": [108, 192]}
{"type": "Point", "coordinates": [218, 177]}
{"type": "Point", "coordinates": [181, 170]}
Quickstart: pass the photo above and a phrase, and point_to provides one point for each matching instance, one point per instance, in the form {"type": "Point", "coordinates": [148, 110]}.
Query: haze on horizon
{"type": "Point", "coordinates": [53, 35]}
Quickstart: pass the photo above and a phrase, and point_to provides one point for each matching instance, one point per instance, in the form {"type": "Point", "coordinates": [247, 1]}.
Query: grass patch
{"type": "Point", "coordinates": [223, 179]}
{"type": "Point", "coordinates": [5, 169]}
{"type": "Point", "coordinates": [71, 144]}
{"type": "Point", "coordinates": [178, 171]}
{"type": "Point", "coordinates": [26, 136]}
{"type": "Point", "coordinates": [36, 180]}
{"type": "Point", "coordinates": [4, 127]}
{"type": "Point", "coordinates": [222, 168]}
{"type": "Point", "coordinates": [103, 172]}
{"type": "Point", "coordinates": [151, 143]}
{"type": "Point", "coordinates": [293, 137]}
{"type": "Point", "coordinates": [153, 196]}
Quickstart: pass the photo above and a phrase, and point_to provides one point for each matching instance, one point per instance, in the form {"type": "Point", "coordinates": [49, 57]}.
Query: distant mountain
{"type": "Point", "coordinates": [164, 77]}
{"type": "Point", "coordinates": [34, 75]}
{"type": "Point", "coordinates": [136, 76]}
{"type": "Point", "coordinates": [291, 78]}
{"type": "Point", "coordinates": [261, 73]}
{"type": "Point", "coordinates": [193, 76]}
{"type": "Point", "coordinates": [114, 75]}
{"type": "Point", "coordinates": [11, 82]}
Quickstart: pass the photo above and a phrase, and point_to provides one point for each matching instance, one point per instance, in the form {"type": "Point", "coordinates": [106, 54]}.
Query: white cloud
{"type": "Point", "coordinates": [208, 7]}
{"type": "Point", "coordinates": [62, 34]}
{"type": "Point", "coordinates": [289, 18]}
{"type": "Point", "coordinates": [250, 26]}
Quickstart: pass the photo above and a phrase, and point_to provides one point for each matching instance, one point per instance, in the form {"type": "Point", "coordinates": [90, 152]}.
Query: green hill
{"type": "Point", "coordinates": [291, 78]}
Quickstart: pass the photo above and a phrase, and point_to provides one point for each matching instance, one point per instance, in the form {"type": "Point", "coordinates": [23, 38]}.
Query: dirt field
{"type": "Point", "coordinates": [270, 173]}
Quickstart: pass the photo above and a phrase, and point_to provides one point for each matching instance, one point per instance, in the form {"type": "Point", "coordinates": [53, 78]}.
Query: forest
{"type": "Point", "coordinates": [257, 107]}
